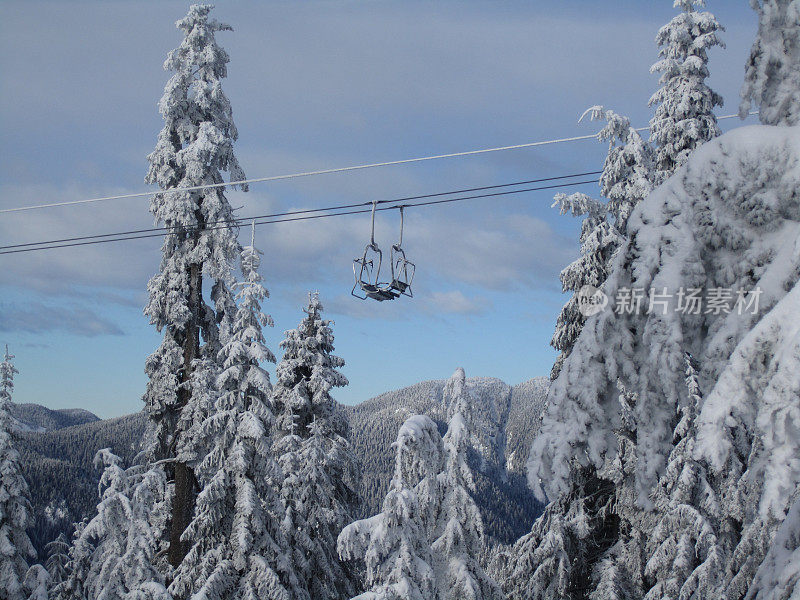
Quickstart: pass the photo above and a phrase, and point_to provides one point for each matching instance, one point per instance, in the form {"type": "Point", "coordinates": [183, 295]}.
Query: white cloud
{"type": "Point", "coordinates": [455, 302]}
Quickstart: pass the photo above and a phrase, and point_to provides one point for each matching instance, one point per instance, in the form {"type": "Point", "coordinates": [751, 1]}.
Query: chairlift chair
{"type": "Point", "coordinates": [402, 269]}
{"type": "Point", "coordinates": [366, 275]}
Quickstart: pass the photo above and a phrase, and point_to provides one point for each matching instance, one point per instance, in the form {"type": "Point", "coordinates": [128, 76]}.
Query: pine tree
{"type": "Point", "coordinates": [193, 149]}
{"type": "Point", "coordinates": [15, 506]}
{"type": "Point", "coordinates": [459, 532]}
{"type": "Point", "coordinates": [684, 116]}
{"type": "Point", "coordinates": [395, 544]}
{"type": "Point", "coordinates": [236, 551]}
{"type": "Point", "coordinates": [315, 455]}
{"type": "Point", "coordinates": [686, 556]}
{"type": "Point", "coordinates": [557, 559]}
{"type": "Point", "coordinates": [772, 72]}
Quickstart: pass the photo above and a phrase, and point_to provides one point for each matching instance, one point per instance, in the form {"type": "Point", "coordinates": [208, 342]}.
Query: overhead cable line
{"type": "Point", "coordinates": [318, 172]}
{"type": "Point", "coordinates": [396, 204]}
{"type": "Point", "coordinates": [240, 220]}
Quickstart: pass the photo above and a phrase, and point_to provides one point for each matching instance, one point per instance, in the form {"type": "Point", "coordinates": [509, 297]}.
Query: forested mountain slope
{"type": "Point", "coordinates": [35, 417]}
{"type": "Point", "coordinates": [508, 417]}
{"type": "Point", "coordinates": [63, 480]}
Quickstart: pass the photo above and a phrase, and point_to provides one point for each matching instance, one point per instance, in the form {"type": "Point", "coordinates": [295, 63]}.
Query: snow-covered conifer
{"type": "Point", "coordinates": [322, 467]}
{"type": "Point", "coordinates": [686, 557]}
{"type": "Point", "coordinates": [557, 559]}
{"type": "Point", "coordinates": [57, 559]}
{"type": "Point", "coordinates": [626, 179]}
{"type": "Point", "coordinates": [778, 577]}
{"type": "Point", "coordinates": [627, 176]}
{"type": "Point", "coordinates": [772, 72]}
{"type": "Point", "coordinates": [193, 149]}
{"type": "Point", "coordinates": [37, 583]}
{"type": "Point", "coordinates": [235, 549]}
{"type": "Point", "coordinates": [15, 506]}
{"type": "Point", "coordinates": [395, 544]}
{"type": "Point", "coordinates": [599, 241]}
{"type": "Point", "coordinates": [684, 116]}
{"type": "Point", "coordinates": [113, 555]}
{"type": "Point", "coordinates": [306, 374]}
{"type": "Point", "coordinates": [459, 532]}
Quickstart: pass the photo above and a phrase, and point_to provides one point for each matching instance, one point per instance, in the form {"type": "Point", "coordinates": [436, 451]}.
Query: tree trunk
{"type": "Point", "coordinates": [185, 491]}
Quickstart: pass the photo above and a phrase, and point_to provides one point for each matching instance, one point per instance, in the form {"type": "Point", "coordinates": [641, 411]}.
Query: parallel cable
{"type": "Point", "coordinates": [319, 172]}
{"type": "Point", "coordinates": [306, 217]}
{"type": "Point", "coordinates": [238, 220]}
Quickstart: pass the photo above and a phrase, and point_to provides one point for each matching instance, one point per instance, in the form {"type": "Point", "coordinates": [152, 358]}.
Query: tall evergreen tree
{"type": "Point", "coordinates": [459, 533]}
{"type": "Point", "coordinates": [314, 452]}
{"type": "Point", "coordinates": [395, 544]}
{"type": "Point", "coordinates": [626, 179]}
{"type": "Point", "coordinates": [57, 559]}
{"type": "Point", "coordinates": [684, 116]}
{"type": "Point", "coordinates": [236, 551]}
{"type": "Point", "coordinates": [15, 506]}
{"type": "Point", "coordinates": [772, 72]}
{"type": "Point", "coordinates": [599, 241]}
{"type": "Point", "coordinates": [194, 148]}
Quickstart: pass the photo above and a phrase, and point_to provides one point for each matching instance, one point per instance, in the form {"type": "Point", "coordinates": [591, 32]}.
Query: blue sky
{"type": "Point", "coordinates": [317, 85]}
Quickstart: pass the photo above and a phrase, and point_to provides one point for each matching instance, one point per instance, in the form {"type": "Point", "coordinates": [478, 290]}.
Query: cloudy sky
{"type": "Point", "coordinates": [317, 85]}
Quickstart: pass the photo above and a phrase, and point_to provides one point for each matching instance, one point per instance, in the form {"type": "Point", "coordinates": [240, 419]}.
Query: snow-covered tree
{"type": "Point", "coordinates": [599, 241]}
{"type": "Point", "coordinates": [557, 558]}
{"type": "Point", "coordinates": [459, 532]}
{"type": "Point", "coordinates": [314, 453]}
{"type": "Point", "coordinates": [778, 577]}
{"type": "Point", "coordinates": [37, 583]}
{"type": "Point", "coordinates": [57, 559]}
{"type": "Point", "coordinates": [113, 556]}
{"type": "Point", "coordinates": [626, 179]}
{"type": "Point", "coordinates": [627, 176]}
{"type": "Point", "coordinates": [236, 550]}
{"type": "Point", "coordinates": [772, 72]}
{"type": "Point", "coordinates": [193, 149]}
{"type": "Point", "coordinates": [684, 116]}
{"type": "Point", "coordinates": [717, 225]}
{"type": "Point", "coordinates": [395, 544]}
{"type": "Point", "coordinates": [306, 374]}
{"type": "Point", "coordinates": [686, 557]}
{"type": "Point", "coordinates": [15, 505]}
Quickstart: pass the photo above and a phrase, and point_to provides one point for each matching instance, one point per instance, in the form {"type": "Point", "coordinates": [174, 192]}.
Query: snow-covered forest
{"type": "Point", "coordinates": [659, 461]}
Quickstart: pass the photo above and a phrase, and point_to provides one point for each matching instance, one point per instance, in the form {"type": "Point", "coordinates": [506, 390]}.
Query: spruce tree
{"type": "Point", "coordinates": [194, 148]}
{"type": "Point", "coordinates": [15, 506]}
{"type": "Point", "coordinates": [235, 547]}
{"type": "Point", "coordinates": [312, 437]}
{"type": "Point", "coordinates": [684, 116]}
{"type": "Point", "coordinates": [772, 72]}
{"type": "Point", "coordinates": [599, 241]}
